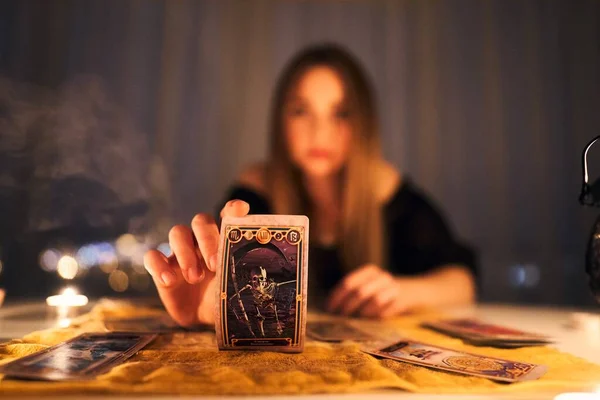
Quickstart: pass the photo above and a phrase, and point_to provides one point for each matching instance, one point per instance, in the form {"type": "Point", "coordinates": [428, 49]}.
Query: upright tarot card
{"type": "Point", "coordinates": [262, 277]}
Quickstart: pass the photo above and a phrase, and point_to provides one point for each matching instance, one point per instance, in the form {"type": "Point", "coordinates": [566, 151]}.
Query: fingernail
{"type": "Point", "coordinates": [213, 262]}
{"type": "Point", "coordinates": [185, 273]}
{"type": "Point", "coordinates": [193, 274]}
{"type": "Point", "coordinates": [168, 278]}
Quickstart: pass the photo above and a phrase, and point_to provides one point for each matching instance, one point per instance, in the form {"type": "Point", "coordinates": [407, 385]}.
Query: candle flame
{"type": "Point", "coordinates": [68, 298]}
{"type": "Point", "coordinates": [69, 291]}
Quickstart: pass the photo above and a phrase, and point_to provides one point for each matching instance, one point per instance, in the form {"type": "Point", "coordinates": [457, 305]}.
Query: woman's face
{"type": "Point", "coordinates": [316, 123]}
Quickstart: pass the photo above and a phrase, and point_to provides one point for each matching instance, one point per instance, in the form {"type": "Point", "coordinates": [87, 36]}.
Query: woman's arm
{"type": "Point", "coordinates": [444, 286]}
{"type": "Point", "coordinates": [371, 291]}
{"type": "Point", "coordinates": [428, 267]}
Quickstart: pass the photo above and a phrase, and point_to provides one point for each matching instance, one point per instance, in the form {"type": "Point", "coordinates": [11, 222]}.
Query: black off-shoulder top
{"type": "Point", "coordinates": [418, 239]}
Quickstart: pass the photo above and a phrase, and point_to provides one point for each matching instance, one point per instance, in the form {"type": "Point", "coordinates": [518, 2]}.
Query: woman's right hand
{"type": "Point", "coordinates": [186, 279]}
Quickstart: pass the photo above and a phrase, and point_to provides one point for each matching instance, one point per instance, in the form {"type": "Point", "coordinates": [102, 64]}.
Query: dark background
{"type": "Point", "coordinates": [128, 116]}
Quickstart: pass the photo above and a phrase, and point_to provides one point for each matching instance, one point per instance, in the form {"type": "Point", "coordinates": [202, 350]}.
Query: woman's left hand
{"type": "Point", "coordinates": [370, 291]}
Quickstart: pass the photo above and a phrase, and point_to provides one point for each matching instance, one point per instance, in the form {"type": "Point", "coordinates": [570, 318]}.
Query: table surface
{"type": "Point", "coordinates": [575, 331]}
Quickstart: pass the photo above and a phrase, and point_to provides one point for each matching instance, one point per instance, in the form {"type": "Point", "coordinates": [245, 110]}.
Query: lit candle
{"type": "Point", "coordinates": [66, 305]}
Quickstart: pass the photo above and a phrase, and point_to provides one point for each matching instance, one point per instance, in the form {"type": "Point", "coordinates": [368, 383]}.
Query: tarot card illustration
{"type": "Point", "coordinates": [441, 358]}
{"type": "Point", "coordinates": [263, 277]}
{"type": "Point", "coordinates": [474, 327]}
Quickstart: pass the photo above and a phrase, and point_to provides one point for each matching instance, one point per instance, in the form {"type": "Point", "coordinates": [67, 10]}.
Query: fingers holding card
{"type": "Point", "coordinates": [262, 275]}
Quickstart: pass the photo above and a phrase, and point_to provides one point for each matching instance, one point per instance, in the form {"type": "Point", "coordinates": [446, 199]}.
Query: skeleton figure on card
{"type": "Point", "coordinates": [265, 293]}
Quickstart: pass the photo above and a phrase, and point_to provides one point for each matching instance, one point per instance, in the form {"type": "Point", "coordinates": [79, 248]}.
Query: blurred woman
{"type": "Point", "coordinates": [379, 247]}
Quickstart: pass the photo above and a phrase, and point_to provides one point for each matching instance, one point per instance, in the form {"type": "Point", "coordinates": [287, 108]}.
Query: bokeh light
{"type": "Point", "coordinates": [106, 257]}
{"type": "Point", "coordinates": [127, 245]}
{"type": "Point", "coordinates": [67, 267]}
{"type": "Point", "coordinates": [118, 281]}
{"type": "Point", "coordinates": [137, 264]}
{"type": "Point", "coordinates": [87, 256]}
{"type": "Point", "coordinates": [137, 259]}
{"type": "Point", "coordinates": [49, 259]}
{"type": "Point", "coordinates": [165, 249]}
{"type": "Point", "coordinates": [108, 267]}
{"type": "Point", "coordinates": [524, 275]}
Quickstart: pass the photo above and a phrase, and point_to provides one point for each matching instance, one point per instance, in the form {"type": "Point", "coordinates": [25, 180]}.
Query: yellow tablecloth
{"type": "Point", "coordinates": [189, 363]}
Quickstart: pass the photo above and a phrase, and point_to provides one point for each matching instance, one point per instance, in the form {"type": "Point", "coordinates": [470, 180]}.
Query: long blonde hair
{"type": "Point", "coordinates": [361, 228]}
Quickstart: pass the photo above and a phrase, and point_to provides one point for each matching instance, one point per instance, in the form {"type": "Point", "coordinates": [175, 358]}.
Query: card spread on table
{"type": "Point", "coordinates": [431, 356]}
{"type": "Point", "coordinates": [485, 334]}
{"type": "Point", "coordinates": [80, 358]}
{"type": "Point", "coordinates": [262, 277]}
{"type": "Point", "coordinates": [336, 331]}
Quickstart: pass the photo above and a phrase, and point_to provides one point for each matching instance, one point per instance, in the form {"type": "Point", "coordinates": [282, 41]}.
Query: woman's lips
{"type": "Point", "coordinates": [319, 153]}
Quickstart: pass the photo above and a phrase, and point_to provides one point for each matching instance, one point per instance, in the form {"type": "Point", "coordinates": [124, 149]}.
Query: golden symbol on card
{"type": "Point", "coordinates": [263, 236]}
{"type": "Point", "coordinates": [424, 354]}
{"type": "Point", "coordinates": [278, 236]}
{"type": "Point", "coordinates": [299, 297]}
{"type": "Point", "coordinates": [293, 236]}
{"type": "Point", "coordinates": [235, 235]}
{"type": "Point", "coordinates": [223, 296]}
{"type": "Point", "coordinates": [476, 364]}
{"type": "Point", "coordinates": [248, 235]}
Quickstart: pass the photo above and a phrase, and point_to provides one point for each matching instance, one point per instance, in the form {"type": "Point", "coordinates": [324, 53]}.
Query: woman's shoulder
{"type": "Point", "coordinates": [408, 198]}
{"type": "Point", "coordinates": [398, 192]}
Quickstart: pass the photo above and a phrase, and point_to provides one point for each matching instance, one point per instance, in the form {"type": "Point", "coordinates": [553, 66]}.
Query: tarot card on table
{"type": "Point", "coordinates": [481, 333]}
{"type": "Point", "coordinates": [80, 358]}
{"type": "Point", "coordinates": [336, 331]}
{"type": "Point", "coordinates": [262, 277]}
{"type": "Point", "coordinates": [441, 358]}
{"type": "Point", "coordinates": [158, 324]}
